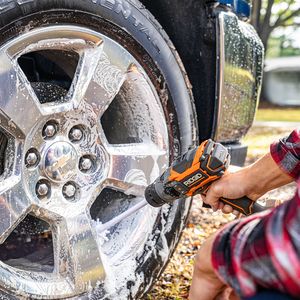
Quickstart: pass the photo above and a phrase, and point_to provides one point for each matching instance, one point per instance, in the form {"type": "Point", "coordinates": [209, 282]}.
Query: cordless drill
{"type": "Point", "coordinates": [192, 174]}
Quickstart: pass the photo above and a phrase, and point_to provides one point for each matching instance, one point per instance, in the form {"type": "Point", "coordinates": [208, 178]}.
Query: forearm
{"type": "Point", "coordinates": [263, 176]}
{"type": "Point", "coordinates": [276, 168]}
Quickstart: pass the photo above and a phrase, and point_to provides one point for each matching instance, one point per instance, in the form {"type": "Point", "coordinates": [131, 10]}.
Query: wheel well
{"type": "Point", "coordinates": [193, 35]}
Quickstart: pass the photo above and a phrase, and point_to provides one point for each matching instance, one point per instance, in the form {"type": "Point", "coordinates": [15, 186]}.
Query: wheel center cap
{"type": "Point", "coordinates": [60, 161]}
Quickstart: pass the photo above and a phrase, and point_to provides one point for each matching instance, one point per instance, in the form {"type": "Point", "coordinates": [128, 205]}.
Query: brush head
{"type": "Point", "coordinates": [136, 190]}
{"type": "Point", "coordinates": [157, 194]}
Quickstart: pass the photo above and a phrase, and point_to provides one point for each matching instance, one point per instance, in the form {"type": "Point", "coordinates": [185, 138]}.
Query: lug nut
{"type": "Point", "coordinates": [50, 131]}
{"type": "Point", "coordinates": [75, 134]}
{"type": "Point", "coordinates": [31, 159]}
{"type": "Point", "coordinates": [69, 190]}
{"type": "Point", "coordinates": [85, 164]}
{"type": "Point", "coordinates": [42, 189]}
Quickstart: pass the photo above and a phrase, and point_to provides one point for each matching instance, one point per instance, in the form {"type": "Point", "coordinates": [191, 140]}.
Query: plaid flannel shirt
{"type": "Point", "coordinates": [263, 250]}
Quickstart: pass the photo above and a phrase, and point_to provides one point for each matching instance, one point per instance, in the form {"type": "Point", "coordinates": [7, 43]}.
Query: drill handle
{"type": "Point", "coordinates": [244, 205]}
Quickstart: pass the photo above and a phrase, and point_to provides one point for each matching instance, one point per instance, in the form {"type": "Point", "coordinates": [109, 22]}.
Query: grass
{"type": "Point", "coordinates": [260, 138]}
{"type": "Point", "coordinates": [283, 114]}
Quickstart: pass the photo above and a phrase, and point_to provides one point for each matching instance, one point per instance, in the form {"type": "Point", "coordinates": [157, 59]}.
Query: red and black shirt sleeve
{"type": "Point", "coordinates": [286, 153]}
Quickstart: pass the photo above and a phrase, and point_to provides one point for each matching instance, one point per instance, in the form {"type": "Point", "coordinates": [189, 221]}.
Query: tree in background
{"type": "Point", "coordinates": [268, 15]}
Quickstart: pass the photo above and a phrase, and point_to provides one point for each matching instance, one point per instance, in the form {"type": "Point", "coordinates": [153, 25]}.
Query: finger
{"type": "Point", "coordinates": [235, 212]}
{"type": "Point", "coordinates": [227, 209]}
{"type": "Point", "coordinates": [221, 205]}
{"type": "Point", "coordinates": [214, 206]}
{"type": "Point", "coordinates": [212, 198]}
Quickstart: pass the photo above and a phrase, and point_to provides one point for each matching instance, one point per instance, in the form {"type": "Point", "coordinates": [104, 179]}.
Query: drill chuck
{"type": "Point", "coordinates": [157, 195]}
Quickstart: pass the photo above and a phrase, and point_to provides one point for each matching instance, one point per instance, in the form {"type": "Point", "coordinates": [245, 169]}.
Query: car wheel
{"type": "Point", "coordinates": [94, 105]}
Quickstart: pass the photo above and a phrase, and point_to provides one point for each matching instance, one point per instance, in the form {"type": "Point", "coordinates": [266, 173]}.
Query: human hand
{"type": "Point", "coordinates": [230, 185]}
{"type": "Point", "coordinates": [252, 181]}
{"type": "Point", "coordinates": [205, 283]}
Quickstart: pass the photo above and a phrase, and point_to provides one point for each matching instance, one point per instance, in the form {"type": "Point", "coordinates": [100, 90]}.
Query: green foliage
{"type": "Point", "coordinates": [270, 15]}
{"type": "Point", "coordinates": [283, 12]}
{"type": "Point", "coordinates": [281, 46]}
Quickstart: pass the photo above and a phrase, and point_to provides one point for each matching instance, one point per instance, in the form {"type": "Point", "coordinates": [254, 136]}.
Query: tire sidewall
{"type": "Point", "coordinates": [130, 25]}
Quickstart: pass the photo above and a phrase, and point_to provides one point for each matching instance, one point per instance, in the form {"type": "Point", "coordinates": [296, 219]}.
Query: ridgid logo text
{"type": "Point", "coordinates": [192, 180]}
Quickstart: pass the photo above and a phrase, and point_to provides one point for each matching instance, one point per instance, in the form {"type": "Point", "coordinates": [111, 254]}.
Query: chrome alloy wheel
{"type": "Point", "coordinates": [62, 154]}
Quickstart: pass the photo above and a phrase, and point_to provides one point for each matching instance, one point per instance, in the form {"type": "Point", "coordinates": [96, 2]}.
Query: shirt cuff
{"type": "Point", "coordinates": [286, 161]}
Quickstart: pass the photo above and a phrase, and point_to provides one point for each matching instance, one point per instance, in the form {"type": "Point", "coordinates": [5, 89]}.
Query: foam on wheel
{"type": "Point", "coordinates": [95, 104]}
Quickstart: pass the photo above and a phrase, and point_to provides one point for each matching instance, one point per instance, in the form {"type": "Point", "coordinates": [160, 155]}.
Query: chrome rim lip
{"type": "Point", "coordinates": [147, 159]}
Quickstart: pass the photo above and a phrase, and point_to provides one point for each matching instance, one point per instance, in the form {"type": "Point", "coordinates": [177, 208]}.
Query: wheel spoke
{"type": "Point", "coordinates": [8, 124]}
{"type": "Point", "coordinates": [18, 102]}
{"type": "Point", "coordinates": [77, 256]}
{"type": "Point", "coordinates": [90, 82]}
{"type": "Point", "coordinates": [14, 206]}
{"type": "Point", "coordinates": [105, 84]}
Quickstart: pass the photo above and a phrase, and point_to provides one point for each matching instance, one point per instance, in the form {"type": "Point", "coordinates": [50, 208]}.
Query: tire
{"type": "Point", "coordinates": [95, 104]}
